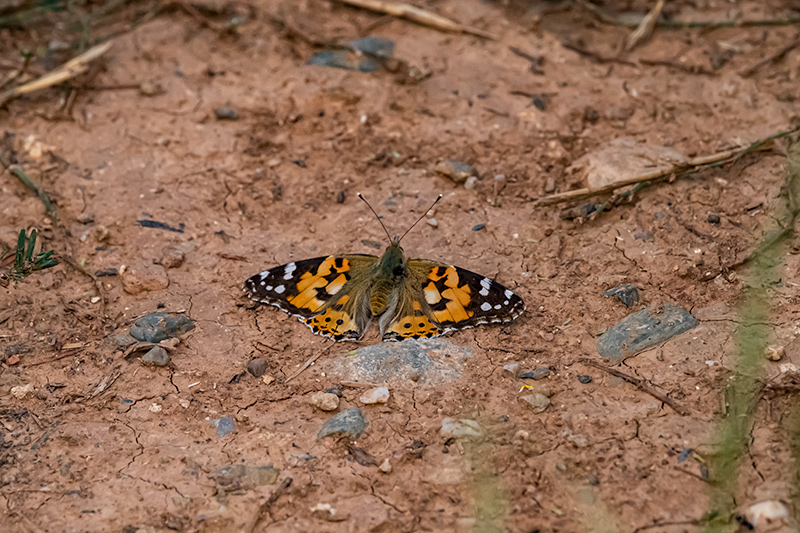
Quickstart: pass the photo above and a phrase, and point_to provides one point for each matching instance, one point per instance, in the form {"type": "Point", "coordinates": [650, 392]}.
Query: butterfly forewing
{"type": "Point", "coordinates": [320, 292]}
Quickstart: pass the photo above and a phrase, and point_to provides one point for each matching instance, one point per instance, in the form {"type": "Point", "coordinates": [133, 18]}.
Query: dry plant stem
{"type": "Point", "coordinates": [67, 71]}
{"type": "Point", "coordinates": [306, 365]}
{"type": "Point", "coordinates": [774, 58]}
{"type": "Point", "coordinates": [20, 174]}
{"type": "Point", "coordinates": [264, 508]}
{"type": "Point", "coordinates": [645, 29]}
{"type": "Point", "coordinates": [694, 164]}
{"type": "Point", "coordinates": [415, 14]}
{"type": "Point", "coordinates": [643, 385]}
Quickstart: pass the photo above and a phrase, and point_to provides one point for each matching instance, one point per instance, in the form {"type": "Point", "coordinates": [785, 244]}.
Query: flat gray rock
{"type": "Point", "coordinates": [426, 361]}
{"type": "Point", "coordinates": [643, 329]}
{"type": "Point", "coordinates": [350, 422]}
{"type": "Point", "coordinates": [161, 325]}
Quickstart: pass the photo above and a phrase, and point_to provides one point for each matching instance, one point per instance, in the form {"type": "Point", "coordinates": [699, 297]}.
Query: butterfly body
{"type": "Point", "coordinates": [339, 295]}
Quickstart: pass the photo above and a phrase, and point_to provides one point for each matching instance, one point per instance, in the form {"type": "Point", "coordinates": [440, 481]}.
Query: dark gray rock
{"type": "Point", "coordinates": [225, 426]}
{"type": "Point", "coordinates": [158, 326]}
{"type": "Point", "coordinates": [350, 422]}
{"type": "Point", "coordinates": [456, 170]}
{"type": "Point", "coordinates": [585, 379]}
{"type": "Point", "coordinates": [643, 329]}
{"type": "Point", "coordinates": [243, 477]}
{"type": "Point", "coordinates": [627, 294]}
{"type": "Point", "coordinates": [123, 341]}
{"type": "Point", "coordinates": [427, 361]}
{"type": "Point", "coordinates": [538, 373]}
{"type": "Point", "coordinates": [257, 367]}
{"type": "Point", "coordinates": [157, 356]}
{"type": "Point", "coordinates": [373, 48]}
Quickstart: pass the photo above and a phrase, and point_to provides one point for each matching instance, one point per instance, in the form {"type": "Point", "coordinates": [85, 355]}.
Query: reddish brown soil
{"type": "Point", "coordinates": [263, 190]}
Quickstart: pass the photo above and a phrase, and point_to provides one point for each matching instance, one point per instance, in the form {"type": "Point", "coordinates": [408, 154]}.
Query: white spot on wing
{"type": "Point", "coordinates": [268, 287]}
{"type": "Point", "coordinates": [486, 306]}
{"type": "Point", "coordinates": [288, 272]}
{"type": "Point", "coordinates": [486, 284]}
{"type": "Point", "coordinates": [498, 306]}
{"type": "Point", "coordinates": [509, 294]}
{"type": "Point", "coordinates": [264, 275]}
{"type": "Point", "coordinates": [279, 289]}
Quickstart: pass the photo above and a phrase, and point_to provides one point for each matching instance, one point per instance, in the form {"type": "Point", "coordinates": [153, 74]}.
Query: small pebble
{"type": "Point", "coordinates": [766, 515]}
{"type": "Point", "coordinates": [585, 379]}
{"type": "Point", "coordinates": [86, 218]}
{"type": "Point", "coordinates": [123, 341]}
{"type": "Point", "coordinates": [376, 395]}
{"type": "Point", "coordinates": [157, 356]}
{"type": "Point", "coordinates": [340, 197]}
{"type": "Point", "coordinates": [457, 171]}
{"type": "Point", "coordinates": [225, 426]}
{"type": "Point", "coordinates": [536, 402]}
{"type": "Point", "coordinates": [511, 369]}
{"type": "Point", "coordinates": [324, 401]}
{"type": "Point", "coordinates": [350, 422]}
{"type": "Point", "coordinates": [335, 390]}
{"type": "Point", "coordinates": [774, 352]}
{"type": "Point", "coordinates": [386, 467]}
{"type": "Point", "coordinates": [627, 294]}
{"type": "Point", "coordinates": [432, 222]}
{"type": "Point", "coordinates": [478, 227]}
{"type": "Point", "coordinates": [550, 185]}
{"type": "Point", "coordinates": [20, 392]}
{"type": "Point", "coordinates": [267, 379]}
{"type": "Point", "coordinates": [227, 113]}
{"type": "Point", "coordinates": [713, 219]}
{"type": "Point", "coordinates": [539, 388]}
{"type": "Point", "coordinates": [539, 373]}
{"type": "Point", "coordinates": [471, 182]}
{"type": "Point", "coordinates": [460, 428]}
{"type": "Point", "coordinates": [171, 257]}
{"type": "Point", "coordinates": [257, 367]}
{"type": "Point", "coordinates": [158, 326]}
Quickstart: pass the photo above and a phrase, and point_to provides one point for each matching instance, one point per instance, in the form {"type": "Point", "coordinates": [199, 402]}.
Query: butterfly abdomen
{"type": "Point", "coordinates": [379, 297]}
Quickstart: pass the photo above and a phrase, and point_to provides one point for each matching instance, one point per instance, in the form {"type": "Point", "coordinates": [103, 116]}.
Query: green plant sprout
{"type": "Point", "coordinates": [24, 262]}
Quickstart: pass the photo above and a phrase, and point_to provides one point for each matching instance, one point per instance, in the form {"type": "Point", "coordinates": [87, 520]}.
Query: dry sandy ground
{"type": "Point", "coordinates": [279, 184]}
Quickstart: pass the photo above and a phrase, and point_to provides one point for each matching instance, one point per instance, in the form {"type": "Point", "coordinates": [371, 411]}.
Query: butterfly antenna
{"type": "Point", "coordinates": [376, 216]}
{"type": "Point", "coordinates": [420, 218]}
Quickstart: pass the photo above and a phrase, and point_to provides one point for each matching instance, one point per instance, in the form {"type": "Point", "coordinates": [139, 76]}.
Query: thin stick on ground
{"type": "Point", "coordinates": [264, 508]}
{"type": "Point", "coordinates": [307, 364]}
{"type": "Point", "coordinates": [642, 384]}
{"type": "Point", "coordinates": [774, 58]}
{"type": "Point", "coordinates": [415, 14]}
{"type": "Point", "coordinates": [645, 29]}
{"type": "Point", "coordinates": [67, 71]}
{"type": "Point", "coordinates": [20, 174]}
{"type": "Point", "coordinates": [692, 165]}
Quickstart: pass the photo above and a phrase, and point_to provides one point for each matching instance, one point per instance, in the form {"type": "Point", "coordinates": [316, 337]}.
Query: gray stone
{"type": "Point", "coordinates": [585, 379]}
{"type": "Point", "coordinates": [375, 48]}
{"type": "Point", "coordinates": [123, 341]}
{"type": "Point", "coordinates": [157, 356]}
{"type": "Point", "coordinates": [257, 367]}
{"type": "Point", "coordinates": [156, 327]}
{"type": "Point", "coordinates": [538, 373]}
{"type": "Point", "coordinates": [427, 361]}
{"type": "Point", "coordinates": [243, 477]}
{"type": "Point", "coordinates": [225, 426]}
{"type": "Point", "coordinates": [349, 422]}
{"type": "Point", "coordinates": [536, 402]}
{"type": "Point", "coordinates": [643, 329]}
{"type": "Point", "coordinates": [627, 294]}
{"type": "Point", "coordinates": [511, 369]}
{"type": "Point", "coordinates": [460, 428]}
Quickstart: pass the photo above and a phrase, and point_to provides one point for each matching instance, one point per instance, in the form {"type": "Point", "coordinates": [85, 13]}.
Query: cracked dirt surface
{"type": "Point", "coordinates": [263, 190]}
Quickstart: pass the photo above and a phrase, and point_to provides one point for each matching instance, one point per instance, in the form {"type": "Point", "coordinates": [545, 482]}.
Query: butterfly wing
{"type": "Point", "coordinates": [446, 298]}
{"type": "Point", "coordinates": [329, 294]}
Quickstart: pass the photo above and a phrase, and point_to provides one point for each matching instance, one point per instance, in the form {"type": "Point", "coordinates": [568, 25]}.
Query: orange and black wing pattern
{"type": "Point", "coordinates": [321, 292]}
{"type": "Point", "coordinates": [446, 298]}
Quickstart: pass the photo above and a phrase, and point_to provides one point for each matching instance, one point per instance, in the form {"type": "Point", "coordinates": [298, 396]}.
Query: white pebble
{"type": "Point", "coordinates": [376, 395]}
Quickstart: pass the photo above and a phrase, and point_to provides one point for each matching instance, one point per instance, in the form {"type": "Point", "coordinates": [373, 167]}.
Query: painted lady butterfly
{"type": "Point", "coordinates": [338, 296]}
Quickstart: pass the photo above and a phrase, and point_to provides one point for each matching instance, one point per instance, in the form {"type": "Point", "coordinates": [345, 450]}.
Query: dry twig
{"type": "Point", "coordinates": [645, 28]}
{"type": "Point", "coordinates": [264, 508]}
{"type": "Point", "coordinates": [692, 165]}
{"type": "Point", "coordinates": [307, 364]}
{"type": "Point", "coordinates": [642, 384]}
{"type": "Point", "coordinates": [774, 58]}
{"type": "Point", "coordinates": [415, 14]}
{"type": "Point", "coordinates": [67, 71]}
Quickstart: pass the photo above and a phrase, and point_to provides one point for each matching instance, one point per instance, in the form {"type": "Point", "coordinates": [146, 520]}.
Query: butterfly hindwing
{"type": "Point", "coordinates": [322, 292]}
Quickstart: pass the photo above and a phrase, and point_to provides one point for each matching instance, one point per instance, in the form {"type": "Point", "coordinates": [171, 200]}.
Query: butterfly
{"type": "Point", "coordinates": [338, 296]}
